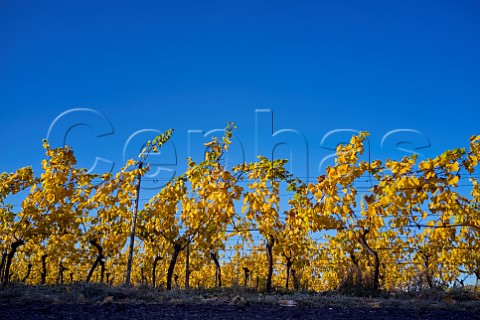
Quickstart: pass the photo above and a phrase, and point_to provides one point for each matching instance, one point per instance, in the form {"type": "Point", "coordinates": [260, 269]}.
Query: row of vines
{"type": "Point", "coordinates": [414, 226]}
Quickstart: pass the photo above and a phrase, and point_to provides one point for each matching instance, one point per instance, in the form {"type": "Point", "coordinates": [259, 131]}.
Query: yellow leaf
{"type": "Point", "coordinates": [453, 166]}
{"type": "Point", "coordinates": [453, 180]}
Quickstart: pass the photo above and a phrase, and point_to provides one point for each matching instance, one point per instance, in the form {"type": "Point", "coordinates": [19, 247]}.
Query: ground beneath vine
{"type": "Point", "coordinates": [219, 311]}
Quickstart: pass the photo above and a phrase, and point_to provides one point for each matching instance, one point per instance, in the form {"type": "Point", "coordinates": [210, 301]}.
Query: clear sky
{"type": "Point", "coordinates": [406, 71]}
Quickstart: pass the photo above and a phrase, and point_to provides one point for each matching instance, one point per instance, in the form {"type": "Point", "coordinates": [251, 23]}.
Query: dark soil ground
{"type": "Point", "coordinates": [208, 311]}
{"type": "Point", "coordinates": [95, 301]}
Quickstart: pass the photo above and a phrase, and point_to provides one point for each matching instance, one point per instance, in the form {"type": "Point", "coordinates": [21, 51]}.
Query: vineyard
{"type": "Point", "coordinates": [412, 225]}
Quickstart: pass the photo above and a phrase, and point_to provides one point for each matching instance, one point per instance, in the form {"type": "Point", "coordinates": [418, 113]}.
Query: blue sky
{"type": "Point", "coordinates": [320, 66]}
{"type": "Point", "coordinates": [406, 71]}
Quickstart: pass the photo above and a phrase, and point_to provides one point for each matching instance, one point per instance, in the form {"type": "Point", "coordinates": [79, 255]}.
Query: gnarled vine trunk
{"type": "Point", "coordinates": [154, 270]}
{"type": "Point", "coordinates": [428, 275]}
{"type": "Point", "coordinates": [43, 272]}
{"type": "Point", "coordinates": [296, 279]}
{"type": "Point", "coordinates": [98, 260]}
{"type": "Point", "coordinates": [289, 267]}
{"type": "Point", "coordinates": [218, 271]}
{"type": "Point", "coordinates": [102, 270]}
{"type": "Point", "coordinates": [2, 264]}
{"type": "Point", "coordinates": [61, 270]}
{"type": "Point", "coordinates": [13, 249]}
{"type": "Point", "coordinates": [171, 267]}
{"type": "Point", "coordinates": [246, 276]}
{"type": "Point", "coordinates": [29, 270]}
{"type": "Point", "coordinates": [376, 260]}
{"type": "Point", "coordinates": [270, 244]}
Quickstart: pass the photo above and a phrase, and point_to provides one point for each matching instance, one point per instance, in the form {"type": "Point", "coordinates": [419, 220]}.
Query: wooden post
{"type": "Point", "coordinates": [132, 230]}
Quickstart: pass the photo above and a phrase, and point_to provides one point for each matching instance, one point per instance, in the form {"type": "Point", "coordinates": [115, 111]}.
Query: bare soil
{"type": "Point", "coordinates": [220, 311]}
{"type": "Point", "coordinates": [96, 301]}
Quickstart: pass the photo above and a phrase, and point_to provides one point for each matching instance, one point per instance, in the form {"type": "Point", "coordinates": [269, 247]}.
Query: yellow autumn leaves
{"type": "Point", "coordinates": [384, 224]}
